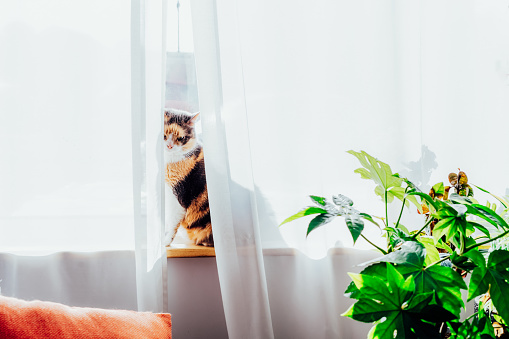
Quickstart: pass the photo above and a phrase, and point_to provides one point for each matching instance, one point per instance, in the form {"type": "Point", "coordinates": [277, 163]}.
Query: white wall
{"type": "Point", "coordinates": [107, 280]}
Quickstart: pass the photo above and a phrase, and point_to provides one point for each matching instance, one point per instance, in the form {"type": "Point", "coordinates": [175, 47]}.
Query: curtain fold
{"type": "Point", "coordinates": [286, 88]}
{"type": "Point", "coordinates": [148, 53]}
{"type": "Point", "coordinates": [232, 203]}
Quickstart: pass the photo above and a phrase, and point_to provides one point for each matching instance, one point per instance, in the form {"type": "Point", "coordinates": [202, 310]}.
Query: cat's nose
{"type": "Point", "coordinates": [170, 146]}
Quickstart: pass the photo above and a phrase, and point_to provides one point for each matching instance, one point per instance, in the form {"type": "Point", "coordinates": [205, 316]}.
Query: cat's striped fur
{"type": "Point", "coordinates": [185, 175]}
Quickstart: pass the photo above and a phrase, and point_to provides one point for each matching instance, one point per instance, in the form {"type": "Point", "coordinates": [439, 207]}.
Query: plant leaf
{"type": "Point", "coordinates": [453, 221]}
{"type": "Point", "coordinates": [380, 173]}
{"type": "Point", "coordinates": [493, 277]}
{"type": "Point", "coordinates": [400, 193]}
{"type": "Point", "coordinates": [393, 304]}
{"type": "Point", "coordinates": [478, 284]}
{"type": "Point", "coordinates": [342, 200]}
{"type": "Point", "coordinates": [447, 284]}
{"type": "Point", "coordinates": [426, 197]}
{"type": "Point", "coordinates": [318, 200]}
{"type": "Point", "coordinates": [355, 225]}
{"type": "Point", "coordinates": [411, 253]}
{"type": "Point", "coordinates": [319, 221]}
{"type": "Point", "coordinates": [397, 235]}
{"type": "Point", "coordinates": [432, 254]}
{"type": "Point", "coordinates": [499, 290]}
{"type": "Point", "coordinates": [480, 227]}
{"type": "Point", "coordinates": [439, 188]}
{"type": "Point", "coordinates": [368, 218]}
{"type": "Point", "coordinates": [502, 200]}
{"type": "Point", "coordinates": [303, 213]}
{"type": "Point", "coordinates": [488, 215]}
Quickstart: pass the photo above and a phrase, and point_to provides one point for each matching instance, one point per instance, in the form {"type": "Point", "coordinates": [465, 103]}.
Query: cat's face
{"type": "Point", "coordinates": [179, 133]}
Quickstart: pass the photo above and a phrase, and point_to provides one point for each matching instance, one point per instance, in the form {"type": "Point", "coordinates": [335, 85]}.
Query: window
{"type": "Point", "coordinates": [65, 142]}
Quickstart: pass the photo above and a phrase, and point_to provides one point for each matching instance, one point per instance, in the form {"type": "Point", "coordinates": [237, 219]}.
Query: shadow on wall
{"type": "Point", "coordinates": [270, 235]}
{"type": "Point", "coordinates": [419, 172]}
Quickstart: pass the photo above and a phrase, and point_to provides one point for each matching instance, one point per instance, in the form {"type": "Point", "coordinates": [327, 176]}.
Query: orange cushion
{"type": "Point", "coordinates": [38, 319]}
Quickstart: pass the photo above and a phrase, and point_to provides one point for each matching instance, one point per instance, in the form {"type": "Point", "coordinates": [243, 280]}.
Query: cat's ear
{"type": "Point", "coordinates": [194, 118]}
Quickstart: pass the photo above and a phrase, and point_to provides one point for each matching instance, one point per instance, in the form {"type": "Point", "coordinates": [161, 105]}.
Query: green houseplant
{"type": "Point", "coordinates": [408, 292]}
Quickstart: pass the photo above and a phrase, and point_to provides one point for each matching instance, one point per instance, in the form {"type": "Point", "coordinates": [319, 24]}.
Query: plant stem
{"type": "Point", "coordinates": [422, 228]}
{"type": "Point", "coordinates": [401, 212]}
{"type": "Point", "coordinates": [438, 262]}
{"type": "Point", "coordinates": [480, 237]}
{"type": "Point", "coordinates": [387, 221]}
{"type": "Point", "coordinates": [462, 244]}
{"type": "Point", "coordinates": [486, 241]}
{"type": "Point", "coordinates": [386, 212]}
{"type": "Point", "coordinates": [378, 248]}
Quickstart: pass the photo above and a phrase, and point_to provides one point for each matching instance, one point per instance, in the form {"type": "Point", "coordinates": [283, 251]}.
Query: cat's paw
{"type": "Point", "coordinates": [205, 243]}
{"type": "Point", "coordinates": [168, 239]}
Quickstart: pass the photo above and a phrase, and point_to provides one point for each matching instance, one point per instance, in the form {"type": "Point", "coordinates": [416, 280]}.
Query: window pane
{"type": "Point", "coordinates": [65, 134]}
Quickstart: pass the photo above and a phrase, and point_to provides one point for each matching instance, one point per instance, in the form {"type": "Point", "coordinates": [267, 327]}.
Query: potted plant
{"type": "Point", "coordinates": [412, 290]}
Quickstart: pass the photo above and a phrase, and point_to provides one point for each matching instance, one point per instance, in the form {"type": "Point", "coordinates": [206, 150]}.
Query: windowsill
{"type": "Point", "coordinates": [193, 251]}
{"type": "Point", "coordinates": [189, 251]}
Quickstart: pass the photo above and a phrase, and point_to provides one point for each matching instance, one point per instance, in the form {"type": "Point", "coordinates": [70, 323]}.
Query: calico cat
{"type": "Point", "coordinates": [185, 175]}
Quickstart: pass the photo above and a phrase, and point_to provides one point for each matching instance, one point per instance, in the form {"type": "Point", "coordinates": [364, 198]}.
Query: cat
{"type": "Point", "coordinates": [185, 176]}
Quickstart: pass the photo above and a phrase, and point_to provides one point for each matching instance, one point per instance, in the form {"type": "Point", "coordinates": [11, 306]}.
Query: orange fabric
{"type": "Point", "coordinates": [38, 319]}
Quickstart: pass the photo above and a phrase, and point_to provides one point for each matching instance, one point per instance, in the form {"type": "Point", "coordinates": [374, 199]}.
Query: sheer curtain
{"type": "Point", "coordinates": [75, 138]}
{"type": "Point", "coordinates": [287, 87]}
{"type": "Point", "coordinates": [65, 177]}
{"type": "Point", "coordinates": [148, 43]}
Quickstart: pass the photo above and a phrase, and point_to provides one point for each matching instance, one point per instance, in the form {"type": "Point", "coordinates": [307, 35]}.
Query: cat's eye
{"type": "Point", "coordinates": [165, 137]}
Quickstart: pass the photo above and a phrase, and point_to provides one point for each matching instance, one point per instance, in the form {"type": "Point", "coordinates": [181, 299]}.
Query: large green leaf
{"type": "Point", "coordinates": [480, 227]}
{"type": "Point", "coordinates": [494, 277]}
{"type": "Point", "coordinates": [411, 253]}
{"type": "Point", "coordinates": [401, 325]}
{"type": "Point", "coordinates": [432, 254]}
{"type": "Point", "coordinates": [380, 173]}
{"type": "Point", "coordinates": [487, 214]}
{"type": "Point", "coordinates": [452, 221]}
{"type": "Point", "coordinates": [481, 211]}
{"type": "Point", "coordinates": [377, 269]}
{"type": "Point", "coordinates": [395, 306]}
{"type": "Point", "coordinates": [444, 280]}
{"type": "Point", "coordinates": [503, 201]}
{"type": "Point", "coordinates": [450, 226]}
{"type": "Point", "coordinates": [305, 212]}
{"type": "Point", "coordinates": [447, 284]}
{"type": "Point", "coordinates": [468, 261]}
{"type": "Point", "coordinates": [478, 327]}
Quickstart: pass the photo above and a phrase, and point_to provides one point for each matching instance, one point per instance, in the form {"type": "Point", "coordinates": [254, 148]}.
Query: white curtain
{"type": "Point", "coordinates": [65, 175]}
{"type": "Point", "coordinates": [148, 43]}
{"type": "Point", "coordinates": [287, 87]}
{"type": "Point", "coordinates": [75, 138]}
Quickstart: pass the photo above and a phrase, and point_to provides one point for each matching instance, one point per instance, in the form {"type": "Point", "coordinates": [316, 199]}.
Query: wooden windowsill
{"type": "Point", "coordinates": [193, 251]}
{"type": "Point", "coordinates": [189, 251]}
